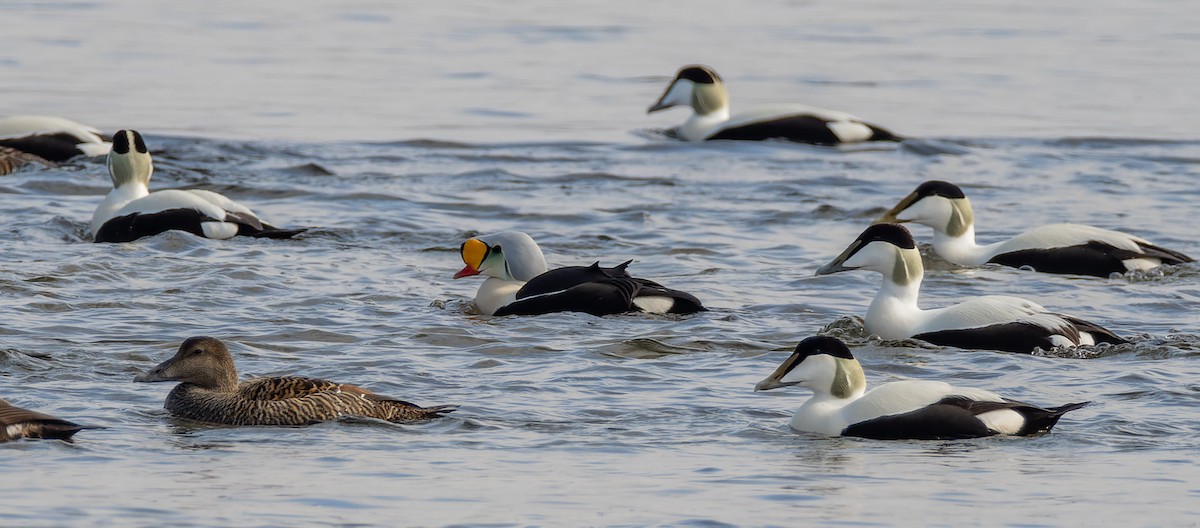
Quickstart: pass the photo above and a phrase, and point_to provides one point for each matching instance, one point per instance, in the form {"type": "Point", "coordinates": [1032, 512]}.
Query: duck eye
{"type": "Point", "coordinates": [196, 351]}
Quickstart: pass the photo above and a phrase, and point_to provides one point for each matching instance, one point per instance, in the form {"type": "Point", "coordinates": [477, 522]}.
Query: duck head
{"type": "Point", "coordinates": [821, 364]}
{"type": "Point", "coordinates": [200, 361]}
{"type": "Point", "coordinates": [888, 249]}
{"type": "Point", "coordinates": [511, 255]}
{"type": "Point", "coordinates": [937, 204]}
{"type": "Point", "coordinates": [696, 86]}
{"type": "Point", "coordinates": [129, 160]}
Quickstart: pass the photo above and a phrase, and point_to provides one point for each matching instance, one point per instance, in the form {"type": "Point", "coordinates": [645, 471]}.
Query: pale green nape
{"type": "Point", "coordinates": [709, 98]}
{"type": "Point", "coordinates": [961, 217]}
{"type": "Point", "coordinates": [908, 267]}
{"type": "Point", "coordinates": [848, 379]}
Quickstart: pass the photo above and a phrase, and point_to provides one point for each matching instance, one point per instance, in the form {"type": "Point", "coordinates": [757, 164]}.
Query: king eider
{"type": "Point", "coordinates": [209, 391]}
{"type": "Point", "coordinates": [911, 409]}
{"type": "Point", "coordinates": [989, 322]}
{"type": "Point", "coordinates": [45, 139]}
{"type": "Point", "coordinates": [17, 423]}
{"type": "Point", "coordinates": [1055, 248]}
{"type": "Point", "coordinates": [131, 211]}
{"type": "Point", "coordinates": [518, 283]}
{"type": "Point", "coordinates": [700, 88]}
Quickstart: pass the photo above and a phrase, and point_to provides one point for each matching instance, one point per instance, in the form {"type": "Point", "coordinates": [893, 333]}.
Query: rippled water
{"type": "Point", "coordinates": [396, 133]}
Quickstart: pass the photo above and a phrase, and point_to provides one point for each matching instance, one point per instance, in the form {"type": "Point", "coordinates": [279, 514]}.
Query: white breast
{"type": "Point", "coordinates": [495, 293]}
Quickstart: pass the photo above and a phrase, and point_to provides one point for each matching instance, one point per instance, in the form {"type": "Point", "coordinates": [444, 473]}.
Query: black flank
{"type": "Point", "coordinates": [54, 147]}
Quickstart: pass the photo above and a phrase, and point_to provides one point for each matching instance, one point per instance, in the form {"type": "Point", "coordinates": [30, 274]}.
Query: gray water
{"type": "Point", "coordinates": [397, 131]}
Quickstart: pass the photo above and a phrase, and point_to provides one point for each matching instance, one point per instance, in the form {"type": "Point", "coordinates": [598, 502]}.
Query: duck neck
{"type": "Point", "coordinates": [821, 414]}
{"type": "Point", "coordinates": [961, 249]}
{"type": "Point", "coordinates": [894, 311]}
{"type": "Point", "coordinates": [116, 199]}
{"type": "Point", "coordinates": [700, 126]}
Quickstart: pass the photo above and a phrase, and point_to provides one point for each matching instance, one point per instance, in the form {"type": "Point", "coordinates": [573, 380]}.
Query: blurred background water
{"type": "Point", "coordinates": [398, 130]}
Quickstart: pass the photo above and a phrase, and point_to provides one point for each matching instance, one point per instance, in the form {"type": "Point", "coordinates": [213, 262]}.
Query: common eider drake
{"type": "Point", "coordinates": [1055, 248]}
{"type": "Point", "coordinates": [899, 410]}
{"type": "Point", "coordinates": [17, 423]}
{"type": "Point", "coordinates": [990, 322]}
{"type": "Point", "coordinates": [131, 211]}
{"type": "Point", "coordinates": [518, 283]}
{"type": "Point", "coordinates": [209, 392]}
{"type": "Point", "coordinates": [47, 139]}
{"type": "Point", "coordinates": [703, 90]}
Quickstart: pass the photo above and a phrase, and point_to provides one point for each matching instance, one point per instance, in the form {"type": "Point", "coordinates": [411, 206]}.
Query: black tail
{"type": "Point", "coordinates": [1043, 420]}
{"type": "Point", "coordinates": [883, 134]}
{"type": "Point", "coordinates": [272, 232]}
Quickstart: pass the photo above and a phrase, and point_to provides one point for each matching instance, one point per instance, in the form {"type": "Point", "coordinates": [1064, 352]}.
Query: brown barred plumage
{"type": "Point", "coordinates": [11, 159]}
{"type": "Point", "coordinates": [210, 392]}
{"type": "Point", "coordinates": [17, 423]}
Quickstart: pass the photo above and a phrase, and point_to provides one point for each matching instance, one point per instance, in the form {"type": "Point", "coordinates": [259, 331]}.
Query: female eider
{"type": "Point", "coordinates": [209, 392]}
{"type": "Point", "coordinates": [702, 89]}
{"type": "Point", "coordinates": [17, 423]}
{"type": "Point", "coordinates": [1055, 248]}
{"type": "Point", "coordinates": [519, 284]}
{"type": "Point", "coordinates": [900, 410]}
{"type": "Point", "coordinates": [990, 322]}
{"type": "Point", "coordinates": [131, 211]}
{"type": "Point", "coordinates": [51, 139]}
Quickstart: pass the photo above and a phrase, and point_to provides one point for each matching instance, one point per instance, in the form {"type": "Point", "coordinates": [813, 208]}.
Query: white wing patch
{"type": "Point", "coordinates": [897, 397]}
{"type": "Point", "coordinates": [990, 310]}
{"type": "Point", "coordinates": [159, 201]}
{"type": "Point", "coordinates": [1064, 235]}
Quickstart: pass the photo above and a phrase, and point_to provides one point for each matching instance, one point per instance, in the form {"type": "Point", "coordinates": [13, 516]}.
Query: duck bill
{"type": "Point", "coordinates": [659, 105]}
{"type": "Point", "coordinates": [156, 373]}
{"type": "Point", "coordinates": [838, 264]}
{"type": "Point", "coordinates": [890, 217]}
{"type": "Point", "coordinates": [770, 383]}
{"type": "Point", "coordinates": [666, 100]}
{"type": "Point", "coordinates": [473, 253]}
{"type": "Point", "coordinates": [467, 271]}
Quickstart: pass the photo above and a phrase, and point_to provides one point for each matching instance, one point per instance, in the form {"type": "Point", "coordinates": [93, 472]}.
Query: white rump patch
{"type": "Point", "coordinates": [850, 131]}
{"type": "Point", "coordinates": [1141, 264]}
{"type": "Point", "coordinates": [219, 230]}
{"type": "Point", "coordinates": [655, 304]}
{"type": "Point", "coordinates": [1003, 421]}
{"type": "Point", "coordinates": [16, 431]}
{"type": "Point", "coordinates": [94, 149]}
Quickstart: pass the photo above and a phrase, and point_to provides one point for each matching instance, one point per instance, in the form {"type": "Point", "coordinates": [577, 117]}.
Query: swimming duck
{"type": "Point", "coordinates": [209, 392]}
{"type": "Point", "coordinates": [51, 138]}
{"type": "Point", "coordinates": [518, 283]}
{"type": "Point", "coordinates": [989, 322]}
{"type": "Point", "coordinates": [703, 90]}
{"type": "Point", "coordinates": [17, 423]}
{"type": "Point", "coordinates": [910, 409]}
{"type": "Point", "coordinates": [1054, 248]}
{"type": "Point", "coordinates": [131, 211]}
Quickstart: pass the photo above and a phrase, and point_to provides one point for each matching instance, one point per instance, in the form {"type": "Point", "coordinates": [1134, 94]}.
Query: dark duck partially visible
{"type": "Point", "coordinates": [209, 391]}
{"type": "Point", "coordinates": [17, 423]}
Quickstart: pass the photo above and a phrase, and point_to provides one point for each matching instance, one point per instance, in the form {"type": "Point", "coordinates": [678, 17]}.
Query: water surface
{"type": "Point", "coordinates": [397, 132]}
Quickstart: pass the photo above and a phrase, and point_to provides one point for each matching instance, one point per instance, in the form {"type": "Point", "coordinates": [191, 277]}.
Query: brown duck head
{"type": "Point", "coordinates": [201, 361]}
